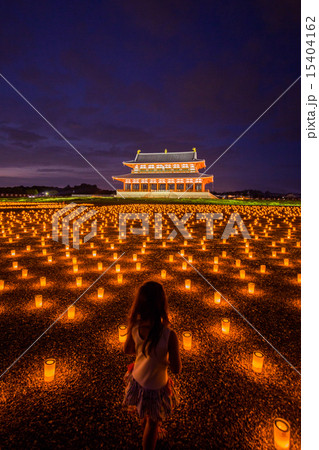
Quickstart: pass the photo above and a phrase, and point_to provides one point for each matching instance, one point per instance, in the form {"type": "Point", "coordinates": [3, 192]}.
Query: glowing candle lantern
{"type": "Point", "coordinates": [138, 266]}
{"type": "Point", "coordinates": [44, 252]}
{"type": "Point", "coordinates": [38, 301]}
{"type": "Point", "coordinates": [15, 264]}
{"type": "Point", "coordinates": [143, 251]}
{"type": "Point", "coordinates": [242, 274]}
{"type": "Point", "coordinates": [247, 250]}
{"type": "Point", "coordinates": [238, 262]}
{"type": "Point", "coordinates": [298, 244]}
{"type": "Point", "coordinates": [185, 243]}
{"type": "Point", "coordinates": [49, 370]}
{"type": "Point", "coordinates": [112, 246]}
{"type": "Point", "coordinates": [49, 259]}
{"type": "Point", "coordinates": [216, 260]}
{"type": "Point", "coordinates": [204, 247]}
{"type": "Point", "coordinates": [43, 281]}
{"type": "Point", "coordinates": [223, 254]}
{"type": "Point", "coordinates": [299, 277]}
{"type": "Point", "coordinates": [163, 274]}
{"type": "Point", "coordinates": [71, 312]}
{"type": "Point", "coordinates": [187, 284]}
{"type": "Point", "coordinates": [286, 262]}
{"type": "Point", "coordinates": [215, 269]}
{"type": "Point", "coordinates": [225, 326]}
{"type": "Point", "coordinates": [74, 260]}
{"type": "Point", "coordinates": [119, 278]}
{"type": "Point", "coordinates": [115, 256]}
{"type": "Point", "coordinates": [92, 244]}
{"type": "Point", "coordinates": [217, 298]}
{"type": "Point", "coordinates": [283, 250]}
{"type": "Point", "coordinates": [184, 265]}
{"type": "Point", "coordinates": [24, 273]}
{"type": "Point", "coordinates": [144, 244]}
{"type": "Point", "coordinates": [274, 254]}
{"type": "Point", "coordinates": [164, 244]}
{"type": "Point", "coordinates": [282, 240]}
{"type": "Point", "coordinates": [100, 292]}
{"type": "Point", "coordinates": [99, 266]}
{"type": "Point", "coordinates": [75, 268]}
{"type": "Point", "coordinates": [262, 268]}
{"type": "Point", "coordinates": [78, 281]}
{"type": "Point", "coordinates": [117, 268]}
{"type": "Point", "coordinates": [281, 434]}
{"type": "Point", "coordinates": [28, 248]}
{"type": "Point", "coordinates": [67, 254]}
{"type": "Point", "coordinates": [135, 257]}
{"type": "Point", "coordinates": [251, 288]}
{"type": "Point", "coordinates": [13, 252]}
{"type": "Point", "coordinates": [187, 340]}
{"type": "Point", "coordinates": [1, 285]}
{"type": "Point", "coordinates": [190, 259]}
{"type": "Point", "coordinates": [122, 333]}
{"type": "Point", "coordinates": [258, 361]}
{"type": "Point", "coordinates": [94, 253]}
{"type": "Point", "coordinates": [224, 241]}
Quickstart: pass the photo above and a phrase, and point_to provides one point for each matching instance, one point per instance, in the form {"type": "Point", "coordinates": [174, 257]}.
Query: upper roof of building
{"type": "Point", "coordinates": [165, 157]}
{"type": "Point", "coordinates": [163, 175]}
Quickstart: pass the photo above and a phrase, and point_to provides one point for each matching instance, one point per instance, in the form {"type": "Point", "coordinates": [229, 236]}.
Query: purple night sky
{"type": "Point", "coordinates": [114, 77]}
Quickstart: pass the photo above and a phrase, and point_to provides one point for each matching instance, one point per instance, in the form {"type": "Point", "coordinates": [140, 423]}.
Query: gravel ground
{"type": "Point", "coordinates": [224, 404]}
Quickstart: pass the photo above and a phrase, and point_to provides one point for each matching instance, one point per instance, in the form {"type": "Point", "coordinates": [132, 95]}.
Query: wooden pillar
{"type": "Point", "coordinates": [175, 183]}
{"type": "Point", "coordinates": [165, 184]}
{"type": "Point", "coordinates": [184, 186]}
{"type": "Point", "coordinates": [203, 186]}
{"type": "Point", "coordinates": [193, 187]}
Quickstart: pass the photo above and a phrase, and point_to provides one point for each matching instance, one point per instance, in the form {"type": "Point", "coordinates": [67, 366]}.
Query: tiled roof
{"type": "Point", "coordinates": [165, 157]}
{"type": "Point", "coordinates": [163, 175]}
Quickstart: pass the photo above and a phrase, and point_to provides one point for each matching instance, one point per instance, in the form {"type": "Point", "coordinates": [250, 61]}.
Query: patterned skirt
{"type": "Point", "coordinates": [155, 403]}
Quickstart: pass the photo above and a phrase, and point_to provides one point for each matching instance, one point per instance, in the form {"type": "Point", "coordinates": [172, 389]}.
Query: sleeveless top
{"type": "Point", "coordinates": [151, 371]}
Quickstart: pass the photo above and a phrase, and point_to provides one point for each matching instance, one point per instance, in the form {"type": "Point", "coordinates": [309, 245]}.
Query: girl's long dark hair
{"type": "Point", "coordinates": [150, 304]}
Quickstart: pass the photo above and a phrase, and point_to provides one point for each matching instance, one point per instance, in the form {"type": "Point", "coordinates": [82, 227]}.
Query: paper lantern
{"type": "Point", "coordinates": [78, 281]}
{"type": "Point", "coordinates": [216, 260]}
{"type": "Point", "coordinates": [171, 258]}
{"type": "Point", "coordinates": [38, 301]}
{"type": "Point", "coordinates": [135, 257]}
{"type": "Point", "coordinates": [43, 281]}
{"type": "Point", "coordinates": [114, 256]}
{"type": "Point", "coordinates": [74, 260]}
{"type": "Point", "coordinates": [187, 284]}
{"type": "Point", "coordinates": [100, 266]}
{"type": "Point", "coordinates": [251, 288]}
{"type": "Point", "coordinates": [49, 370]}
{"type": "Point", "coordinates": [187, 340]}
{"type": "Point", "coordinates": [215, 268]}
{"type": "Point", "coordinates": [44, 252]}
{"type": "Point", "coordinates": [15, 264]}
{"type": "Point", "coordinates": [216, 298]}
{"type": "Point", "coordinates": [286, 262]}
{"type": "Point", "coordinates": [143, 251]}
{"type": "Point", "coordinates": [298, 244]}
{"type": "Point", "coordinates": [164, 244]}
{"type": "Point", "coordinates": [273, 244]}
{"type": "Point", "coordinates": [299, 277]}
{"type": "Point", "coordinates": [24, 273]}
{"type": "Point", "coordinates": [1, 285]}
{"type": "Point", "coordinates": [71, 312]}
{"type": "Point", "coordinates": [100, 292]}
{"type": "Point", "coordinates": [13, 252]}
{"type": "Point", "coordinates": [262, 268]}
{"type": "Point", "coordinates": [225, 326]}
{"type": "Point", "coordinates": [28, 248]}
{"type": "Point", "coordinates": [224, 254]}
{"type": "Point", "coordinates": [163, 274]}
{"type": "Point", "coordinates": [94, 253]}
{"type": "Point", "coordinates": [182, 252]}
{"type": "Point", "coordinates": [92, 244]}
{"type": "Point", "coordinates": [238, 262]}
{"type": "Point", "coordinates": [247, 250]}
{"type": "Point", "coordinates": [119, 278]}
{"type": "Point", "coordinates": [122, 333]}
{"type": "Point", "coordinates": [75, 268]}
{"type": "Point", "coordinates": [184, 265]}
{"type": "Point", "coordinates": [67, 254]}
{"type": "Point", "coordinates": [283, 250]}
{"type": "Point", "coordinates": [242, 274]}
{"type": "Point", "coordinates": [117, 268]}
{"type": "Point", "coordinates": [258, 361]}
{"type": "Point", "coordinates": [49, 259]}
{"type": "Point", "coordinates": [281, 434]}
{"type": "Point", "coordinates": [250, 255]}
{"type": "Point", "coordinates": [204, 247]}
{"type": "Point", "coordinates": [190, 259]}
{"type": "Point", "coordinates": [138, 266]}
{"type": "Point", "coordinates": [274, 254]}
{"type": "Point", "coordinates": [185, 243]}
{"type": "Point", "coordinates": [112, 246]}
{"type": "Point", "coordinates": [282, 240]}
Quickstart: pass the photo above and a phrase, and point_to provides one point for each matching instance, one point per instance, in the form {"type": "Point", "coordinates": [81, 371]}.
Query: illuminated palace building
{"type": "Point", "coordinates": [167, 174]}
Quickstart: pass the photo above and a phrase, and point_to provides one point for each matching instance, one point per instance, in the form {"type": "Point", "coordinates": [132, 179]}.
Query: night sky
{"type": "Point", "coordinates": [114, 77]}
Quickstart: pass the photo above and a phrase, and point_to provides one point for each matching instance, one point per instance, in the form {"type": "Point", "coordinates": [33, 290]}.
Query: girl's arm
{"type": "Point", "coordinates": [173, 353]}
{"type": "Point", "coordinates": [129, 345]}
